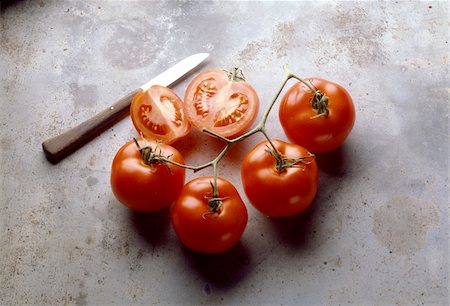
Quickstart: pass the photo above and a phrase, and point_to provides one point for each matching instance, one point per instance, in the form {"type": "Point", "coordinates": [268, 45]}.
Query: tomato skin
{"type": "Point", "coordinates": [228, 108]}
{"type": "Point", "coordinates": [158, 114]}
{"type": "Point", "coordinates": [146, 188]}
{"type": "Point", "coordinates": [279, 194]}
{"type": "Point", "coordinates": [206, 232]}
{"type": "Point", "coordinates": [324, 133]}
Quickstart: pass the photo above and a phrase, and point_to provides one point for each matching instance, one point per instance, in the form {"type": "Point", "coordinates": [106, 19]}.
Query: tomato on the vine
{"type": "Point", "coordinates": [146, 187]}
{"type": "Point", "coordinates": [202, 227]}
{"type": "Point", "coordinates": [273, 189]}
{"type": "Point", "coordinates": [158, 114]}
{"type": "Point", "coordinates": [321, 125]}
{"type": "Point", "coordinates": [221, 102]}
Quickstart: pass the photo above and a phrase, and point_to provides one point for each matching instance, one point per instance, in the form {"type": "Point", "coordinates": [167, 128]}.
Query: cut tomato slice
{"type": "Point", "coordinates": [158, 114]}
{"type": "Point", "coordinates": [216, 101]}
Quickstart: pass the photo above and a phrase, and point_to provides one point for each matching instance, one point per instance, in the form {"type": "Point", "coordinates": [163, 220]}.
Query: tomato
{"type": "Point", "coordinates": [317, 133]}
{"type": "Point", "coordinates": [202, 230]}
{"type": "Point", "coordinates": [142, 187]}
{"type": "Point", "coordinates": [226, 107]}
{"type": "Point", "coordinates": [158, 114]}
{"type": "Point", "coordinates": [274, 193]}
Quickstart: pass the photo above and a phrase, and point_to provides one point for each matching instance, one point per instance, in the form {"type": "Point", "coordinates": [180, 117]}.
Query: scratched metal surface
{"type": "Point", "coordinates": [377, 232]}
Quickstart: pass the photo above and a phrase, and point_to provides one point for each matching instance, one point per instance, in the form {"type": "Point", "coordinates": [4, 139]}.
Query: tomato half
{"type": "Point", "coordinates": [279, 194]}
{"type": "Point", "coordinates": [201, 230]}
{"type": "Point", "coordinates": [224, 106]}
{"type": "Point", "coordinates": [317, 133]}
{"type": "Point", "coordinates": [158, 114]}
{"type": "Point", "coordinates": [142, 187]}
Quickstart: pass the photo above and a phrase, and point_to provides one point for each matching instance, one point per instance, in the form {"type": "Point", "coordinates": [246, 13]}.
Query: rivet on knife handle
{"type": "Point", "coordinates": [60, 146]}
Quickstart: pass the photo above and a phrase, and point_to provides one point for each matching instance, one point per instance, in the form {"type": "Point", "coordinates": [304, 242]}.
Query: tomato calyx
{"type": "Point", "coordinates": [151, 156]}
{"type": "Point", "coordinates": [235, 75]}
{"type": "Point", "coordinates": [214, 202]}
{"type": "Point", "coordinates": [319, 103]}
{"type": "Point", "coordinates": [282, 163]}
{"type": "Point", "coordinates": [319, 100]}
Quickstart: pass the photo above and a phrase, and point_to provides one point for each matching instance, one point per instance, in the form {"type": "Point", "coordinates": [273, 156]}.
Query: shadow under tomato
{"type": "Point", "coordinates": [152, 227]}
{"type": "Point", "coordinates": [6, 4]}
{"type": "Point", "coordinates": [238, 152]}
{"type": "Point", "coordinates": [197, 141]}
{"type": "Point", "coordinates": [296, 231]}
{"type": "Point", "coordinates": [334, 162]}
{"type": "Point", "coordinates": [224, 270]}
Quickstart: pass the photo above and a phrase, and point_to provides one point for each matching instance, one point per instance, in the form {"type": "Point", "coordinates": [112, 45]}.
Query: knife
{"type": "Point", "coordinates": [58, 147]}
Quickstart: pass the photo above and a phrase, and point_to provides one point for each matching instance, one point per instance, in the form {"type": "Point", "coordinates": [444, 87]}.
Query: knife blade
{"type": "Point", "coordinates": [61, 146]}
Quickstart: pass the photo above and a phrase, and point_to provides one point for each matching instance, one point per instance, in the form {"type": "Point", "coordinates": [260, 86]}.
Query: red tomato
{"type": "Point", "coordinates": [322, 133]}
{"type": "Point", "coordinates": [202, 230]}
{"type": "Point", "coordinates": [142, 187]}
{"type": "Point", "coordinates": [223, 106]}
{"type": "Point", "coordinates": [158, 114]}
{"type": "Point", "coordinates": [279, 194]}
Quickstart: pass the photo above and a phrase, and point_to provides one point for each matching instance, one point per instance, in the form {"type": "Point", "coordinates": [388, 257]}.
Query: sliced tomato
{"type": "Point", "coordinates": [215, 101]}
{"type": "Point", "coordinates": [158, 114]}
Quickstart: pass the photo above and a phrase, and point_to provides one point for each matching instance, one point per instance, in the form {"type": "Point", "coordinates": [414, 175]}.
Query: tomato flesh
{"type": "Point", "coordinates": [226, 107]}
{"type": "Point", "coordinates": [158, 114]}
{"type": "Point", "coordinates": [201, 230]}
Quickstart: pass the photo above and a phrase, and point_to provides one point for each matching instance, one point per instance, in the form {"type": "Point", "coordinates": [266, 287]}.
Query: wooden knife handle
{"type": "Point", "coordinates": [58, 147]}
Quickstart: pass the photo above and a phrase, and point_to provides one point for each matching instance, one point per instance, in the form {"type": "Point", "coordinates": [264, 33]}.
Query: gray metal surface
{"type": "Point", "coordinates": [377, 232]}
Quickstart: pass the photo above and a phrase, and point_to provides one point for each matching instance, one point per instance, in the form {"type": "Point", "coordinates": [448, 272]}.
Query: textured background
{"type": "Point", "coordinates": [377, 232]}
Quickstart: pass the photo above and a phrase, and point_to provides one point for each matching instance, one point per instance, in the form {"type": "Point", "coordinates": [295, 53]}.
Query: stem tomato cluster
{"type": "Point", "coordinates": [201, 229]}
{"type": "Point", "coordinates": [279, 179]}
{"type": "Point", "coordinates": [146, 187]}
{"type": "Point", "coordinates": [321, 126]}
{"type": "Point", "coordinates": [279, 193]}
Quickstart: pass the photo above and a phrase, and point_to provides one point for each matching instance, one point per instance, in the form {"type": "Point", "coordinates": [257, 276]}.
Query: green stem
{"type": "Point", "coordinates": [289, 73]}
{"type": "Point", "coordinates": [137, 144]}
{"type": "Point", "coordinates": [193, 168]}
{"type": "Point", "coordinates": [319, 101]}
{"type": "Point", "coordinates": [209, 132]}
{"type": "Point", "coordinates": [307, 83]}
{"type": "Point", "coordinates": [236, 75]}
{"type": "Point", "coordinates": [274, 149]}
{"type": "Point", "coordinates": [267, 112]}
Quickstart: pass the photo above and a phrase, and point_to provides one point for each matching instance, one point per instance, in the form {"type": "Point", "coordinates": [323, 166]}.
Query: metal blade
{"type": "Point", "coordinates": [177, 71]}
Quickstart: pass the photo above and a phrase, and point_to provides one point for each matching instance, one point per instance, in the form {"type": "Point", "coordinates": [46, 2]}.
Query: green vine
{"type": "Point", "coordinates": [319, 102]}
